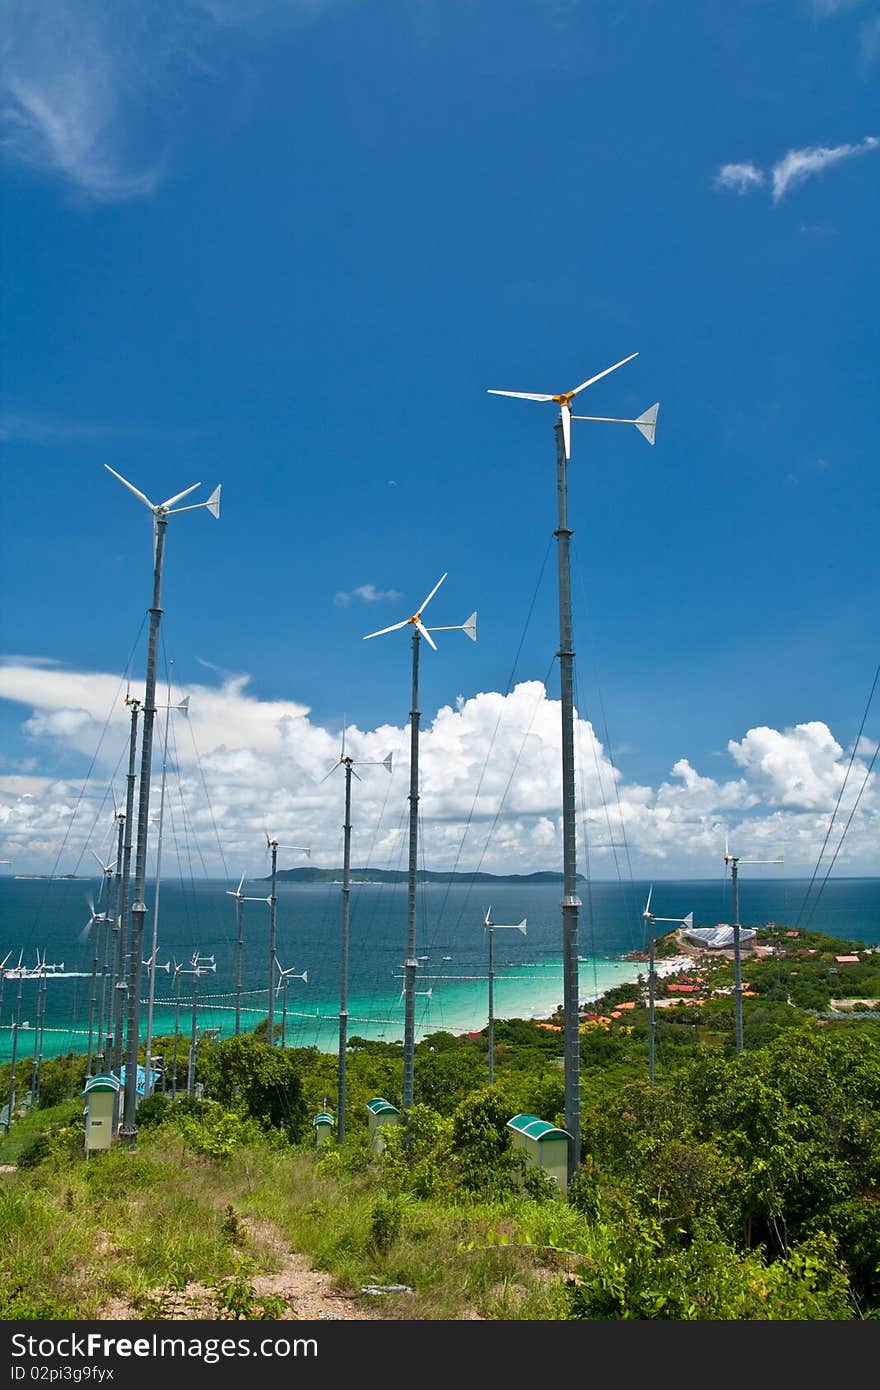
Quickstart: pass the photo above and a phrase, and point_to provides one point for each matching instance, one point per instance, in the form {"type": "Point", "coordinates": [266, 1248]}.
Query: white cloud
{"type": "Point", "coordinates": [740, 178]}
{"type": "Point", "coordinates": [799, 165]}
{"type": "Point", "coordinates": [368, 592]}
{"type": "Point", "coordinates": [802, 768]}
{"type": "Point", "coordinates": [490, 788]}
{"type": "Point", "coordinates": [88, 88]}
{"type": "Point", "coordinates": [73, 85]}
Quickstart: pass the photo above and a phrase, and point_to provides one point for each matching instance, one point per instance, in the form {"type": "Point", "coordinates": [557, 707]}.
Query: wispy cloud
{"type": "Point", "coordinates": [28, 429]}
{"type": "Point", "coordinates": [739, 177]}
{"type": "Point", "coordinates": [799, 165]}
{"type": "Point", "coordinates": [794, 168]}
{"type": "Point", "coordinates": [86, 86]}
{"type": "Point", "coordinates": [368, 593]}
{"type": "Point", "coordinates": [71, 87]}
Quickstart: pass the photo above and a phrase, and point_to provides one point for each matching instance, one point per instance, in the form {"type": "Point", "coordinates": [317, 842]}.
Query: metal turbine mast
{"type": "Point", "coordinates": [734, 861]}
{"type": "Point", "coordinates": [161, 512]}
{"type": "Point", "coordinates": [183, 708]}
{"type": "Point", "coordinates": [100, 920]}
{"type": "Point", "coordinates": [346, 761]}
{"type": "Point", "coordinates": [284, 978]}
{"type": "Point", "coordinates": [199, 965]}
{"type": "Point", "coordinates": [411, 964]}
{"type": "Point", "coordinates": [650, 919]}
{"type": "Point", "coordinates": [239, 948]}
{"type": "Point", "coordinates": [492, 927]}
{"type": "Point", "coordinates": [570, 901]}
{"type": "Point", "coordinates": [273, 847]}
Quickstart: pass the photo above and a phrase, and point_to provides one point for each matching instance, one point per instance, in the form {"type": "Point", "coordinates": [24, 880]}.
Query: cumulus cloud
{"type": "Point", "coordinates": [741, 178]}
{"type": "Point", "coordinates": [490, 784]}
{"type": "Point", "coordinates": [368, 593]}
{"type": "Point", "coordinates": [799, 165]}
{"type": "Point", "coordinates": [802, 768]}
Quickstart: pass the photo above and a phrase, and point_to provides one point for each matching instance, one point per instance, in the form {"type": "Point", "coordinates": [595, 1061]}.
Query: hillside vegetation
{"type": "Point", "coordinates": [732, 1187]}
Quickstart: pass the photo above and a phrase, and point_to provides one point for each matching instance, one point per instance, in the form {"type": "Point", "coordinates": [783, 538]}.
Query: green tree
{"type": "Point", "coordinates": [263, 1082]}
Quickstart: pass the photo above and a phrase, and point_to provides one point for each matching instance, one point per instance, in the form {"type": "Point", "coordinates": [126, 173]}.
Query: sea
{"type": "Point", "coordinates": [198, 917]}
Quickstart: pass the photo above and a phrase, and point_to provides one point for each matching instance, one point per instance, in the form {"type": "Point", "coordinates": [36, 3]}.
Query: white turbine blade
{"type": "Point", "coordinates": [426, 634]}
{"type": "Point", "coordinates": [424, 605]}
{"type": "Point", "coordinates": [386, 762]}
{"type": "Point", "coordinates": [330, 773]}
{"type": "Point", "coordinates": [607, 370]}
{"type": "Point", "coordinates": [240, 882]}
{"type": "Point", "coordinates": [647, 911]}
{"type": "Point", "coordinates": [179, 496]}
{"type": "Point", "coordinates": [131, 487]}
{"type": "Point", "coordinates": [565, 415]}
{"type": "Point", "coordinates": [646, 424]}
{"type": "Point", "coordinates": [487, 919]}
{"type": "Point", "coordinates": [521, 395]}
{"type": "Point", "coordinates": [383, 630]}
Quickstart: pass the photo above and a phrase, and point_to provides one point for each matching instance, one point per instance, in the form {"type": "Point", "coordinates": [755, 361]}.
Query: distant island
{"type": "Point", "coordinates": [314, 875]}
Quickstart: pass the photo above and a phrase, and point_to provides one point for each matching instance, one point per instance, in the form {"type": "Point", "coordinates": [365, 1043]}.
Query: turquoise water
{"type": "Point", "coordinates": [450, 944]}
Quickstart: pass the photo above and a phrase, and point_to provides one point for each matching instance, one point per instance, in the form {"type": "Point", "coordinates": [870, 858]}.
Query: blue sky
{"type": "Point", "coordinates": [287, 248]}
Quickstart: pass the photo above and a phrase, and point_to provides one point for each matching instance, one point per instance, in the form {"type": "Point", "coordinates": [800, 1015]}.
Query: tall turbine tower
{"type": "Point", "coordinates": [183, 708]}
{"type": "Point", "coordinates": [239, 947]}
{"type": "Point", "coordinates": [650, 920]}
{"type": "Point", "coordinates": [161, 512]}
{"type": "Point", "coordinates": [346, 761]}
{"type": "Point", "coordinates": [273, 846]}
{"type": "Point", "coordinates": [570, 900]}
{"type": "Point", "coordinates": [734, 861]}
{"type": "Point", "coordinates": [411, 964]}
{"type": "Point", "coordinates": [492, 927]}
{"type": "Point", "coordinates": [284, 979]}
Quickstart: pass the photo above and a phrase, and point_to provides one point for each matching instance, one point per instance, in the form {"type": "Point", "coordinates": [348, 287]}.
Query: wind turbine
{"type": "Point", "coordinates": [564, 399]}
{"type": "Point", "coordinates": [491, 928]}
{"type": "Point", "coordinates": [96, 919]}
{"type": "Point", "coordinates": [120, 944]}
{"type": "Point", "coordinates": [160, 513]}
{"type": "Point", "coordinates": [107, 871]}
{"type": "Point", "coordinates": [273, 846]}
{"type": "Point", "coordinates": [734, 861]}
{"type": "Point", "coordinates": [571, 903]}
{"type": "Point", "coordinates": [284, 978]}
{"type": "Point", "coordinates": [650, 919]}
{"type": "Point", "coordinates": [10, 1105]}
{"type": "Point", "coordinates": [183, 708]}
{"type": "Point", "coordinates": [411, 964]}
{"type": "Point", "coordinates": [199, 965]}
{"type": "Point", "coordinates": [346, 761]}
{"type": "Point", "coordinates": [239, 946]}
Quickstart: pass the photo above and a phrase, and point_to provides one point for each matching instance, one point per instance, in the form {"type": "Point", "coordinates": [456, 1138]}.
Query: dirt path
{"type": "Point", "coordinates": [309, 1294]}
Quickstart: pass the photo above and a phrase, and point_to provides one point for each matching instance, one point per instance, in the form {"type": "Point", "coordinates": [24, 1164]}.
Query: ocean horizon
{"type": "Point", "coordinates": [49, 915]}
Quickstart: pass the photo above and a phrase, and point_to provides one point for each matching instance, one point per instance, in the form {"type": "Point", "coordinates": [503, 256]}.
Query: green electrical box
{"type": "Point", "coordinates": [544, 1145]}
{"type": "Point", "coordinates": [100, 1093]}
{"type": "Point", "coordinates": [323, 1124]}
{"type": "Point", "coordinates": [380, 1113]}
